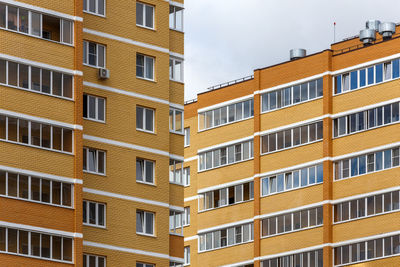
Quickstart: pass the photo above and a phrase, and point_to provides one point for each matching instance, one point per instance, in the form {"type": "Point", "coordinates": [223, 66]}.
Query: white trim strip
{"type": "Point", "coordinates": [177, 106]}
{"type": "Point", "coordinates": [176, 157]}
{"type": "Point", "coordinates": [40, 65]}
{"type": "Point", "coordinates": [382, 191]}
{"type": "Point", "coordinates": [125, 40]}
{"type": "Point", "coordinates": [297, 251]}
{"type": "Point", "coordinates": [176, 208]}
{"type": "Point", "coordinates": [176, 4]}
{"type": "Point", "coordinates": [238, 264]}
{"type": "Point", "coordinates": [190, 238]}
{"type": "Point", "coordinates": [223, 226]}
{"type": "Point", "coordinates": [310, 206]}
{"type": "Point", "coordinates": [226, 103]}
{"type": "Point", "coordinates": [176, 55]}
{"type": "Point", "coordinates": [127, 250]}
{"type": "Point", "coordinates": [176, 259]}
{"type": "Point", "coordinates": [289, 84]}
{"type": "Point", "coordinates": [365, 151]}
{"type": "Point", "coordinates": [244, 139]}
{"type": "Point", "coordinates": [236, 182]}
{"type": "Point", "coordinates": [39, 119]}
{"type": "Point", "coordinates": [41, 229]}
{"type": "Point", "coordinates": [191, 158]}
{"type": "Point", "coordinates": [191, 198]}
{"type": "Point", "coordinates": [356, 240]}
{"type": "Point", "coordinates": [42, 175]}
{"type": "Point", "coordinates": [43, 10]}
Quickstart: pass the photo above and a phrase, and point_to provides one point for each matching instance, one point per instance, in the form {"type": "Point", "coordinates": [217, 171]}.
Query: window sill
{"type": "Point", "coordinates": [146, 79]}
{"type": "Point", "coordinates": [95, 226]}
{"type": "Point", "coordinates": [95, 173]}
{"type": "Point", "coordinates": [95, 14]}
{"type": "Point", "coordinates": [38, 202]}
{"type": "Point", "coordinates": [145, 131]}
{"type": "Point", "coordinates": [39, 147]}
{"type": "Point", "coordinates": [146, 235]}
{"type": "Point", "coordinates": [145, 27]}
{"type": "Point", "coordinates": [94, 120]}
{"type": "Point", "coordinates": [146, 183]}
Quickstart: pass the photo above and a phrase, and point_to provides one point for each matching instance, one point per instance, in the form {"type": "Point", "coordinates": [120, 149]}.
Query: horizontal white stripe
{"type": "Point", "coordinates": [297, 251]}
{"type": "Point", "coordinates": [125, 40]}
{"type": "Point", "coordinates": [40, 229]}
{"type": "Point", "coordinates": [176, 4]}
{"type": "Point", "coordinates": [187, 199]}
{"type": "Point", "coordinates": [176, 259]}
{"type": "Point", "coordinates": [223, 226]}
{"type": "Point", "coordinates": [382, 191]}
{"type": "Point", "coordinates": [313, 205]}
{"type": "Point", "coordinates": [190, 238]}
{"type": "Point", "coordinates": [225, 103]}
{"type": "Point", "coordinates": [40, 65]}
{"type": "Point", "coordinates": [356, 240]}
{"type": "Point", "coordinates": [176, 157]}
{"type": "Point", "coordinates": [176, 208]}
{"type": "Point", "coordinates": [364, 108]}
{"type": "Point", "coordinates": [177, 55]}
{"type": "Point", "coordinates": [130, 198]}
{"type": "Point", "coordinates": [236, 182]}
{"type": "Point", "coordinates": [127, 250]}
{"type": "Point", "coordinates": [289, 84]}
{"type": "Point", "coordinates": [39, 119]}
{"type": "Point", "coordinates": [244, 139]}
{"type": "Point", "coordinates": [191, 158]}
{"type": "Point", "coordinates": [293, 125]}
{"type": "Point", "coordinates": [177, 106]}
{"type": "Point", "coordinates": [238, 264]}
{"type": "Point", "coordinates": [42, 175]}
{"type": "Point", "coordinates": [365, 151]}
{"type": "Point", "coordinates": [43, 10]}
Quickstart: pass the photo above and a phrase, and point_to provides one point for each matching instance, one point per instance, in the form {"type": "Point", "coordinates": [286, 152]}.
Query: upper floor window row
{"type": "Point", "coordinates": [35, 189]}
{"type": "Point", "coordinates": [36, 79]}
{"type": "Point", "coordinates": [226, 237]}
{"type": "Point", "coordinates": [304, 259]}
{"type": "Point", "coordinates": [36, 134]}
{"type": "Point", "coordinates": [96, 7]}
{"type": "Point", "coordinates": [365, 120]}
{"type": "Point", "coordinates": [368, 76]}
{"type": "Point", "coordinates": [226, 196]}
{"type": "Point", "coordinates": [292, 180]}
{"type": "Point", "coordinates": [176, 18]}
{"type": "Point", "coordinates": [367, 163]}
{"type": "Point", "coordinates": [289, 138]}
{"type": "Point", "coordinates": [144, 15]}
{"type": "Point", "coordinates": [292, 95]}
{"type": "Point", "coordinates": [228, 114]}
{"type": "Point", "coordinates": [36, 24]}
{"type": "Point", "coordinates": [226, 155]}
{"type": "Point", "coordinates": [367, 206]}
{"type": "Point", "coordinates": [93, 261]}
{"type": "Point", "coordinates": [94, 54]}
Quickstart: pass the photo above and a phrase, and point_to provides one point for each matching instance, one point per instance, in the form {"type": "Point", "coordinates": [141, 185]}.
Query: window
{"type": "Point", "coordinates": [145, 119]}
{"type": "Point", "coordinates": [175, 171]}
{"type": "Point", "coordinates": [226, 155]}
{"type": "Point", "coordinates": [35, 189]}
{"type": "Point", "coordinates": [36, 134]}
{"type": "Point", "coordinates": [140, 264]}
{"type": "Point", "coordinates": [94, 161]}
{"type": "Point", "coordinates": [187, 136]}
{"type": "Point", "coordinates": [145, 171]}
{"type": "Point", "coordinates": [176, 18]}
{"type": "Point", "coordinates": [226, 237]}
{"type": "Point", "coordinates": [292, 221]}
{"type": "Point", "coordinates": [42, 245]}
{"type": "Point", "coordinates": [145, 67]}
{"type": "Point", "coordinates": [96, 7]}
{"type": "Point", "coordinates": [144, 15]}
{"type": "Point", "coordinates": [40, 79]}
{"type": "Point", "coordinates": [186, 216]}
{"type": "Point", "coordinates": [144, 222]}
{"type": "Point", "coordinates": [39, 25]}
{"type": "Point", "coordinates": [94, 54]}
{"type": "Point", "coordinates": [304, 259]}
{"type": "Point", "coordinates": [93, 261]}
{"type": "Point", "coordinates": [366, 163]}
{"type": "Point", "coordinates": [292, 95]}
{"type": "Point", "coordinates": [186, 255]}
{"type": "Point", "coordinates": [224, 115]}
{"type": "Point", "coordinates": [94, 108]}
{"type": "Point", "coordinates": [175, 120]}
{"type": "Point", "coordinates": [176, 69]}
{"type": "Point", "coordinates": [94, 213]}
{"type": "Point", "coordinates": [186, 176]}
{"type": "Point", "coordinates": [175, 222]}
{"type": "Point", "coordinates": [292, 137]}
{"type": "Point", "coordinates": [175, 264]}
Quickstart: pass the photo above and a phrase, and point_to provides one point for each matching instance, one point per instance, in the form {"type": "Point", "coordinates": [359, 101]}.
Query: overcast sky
{"type": "Point", "coordinates": [228, 39]}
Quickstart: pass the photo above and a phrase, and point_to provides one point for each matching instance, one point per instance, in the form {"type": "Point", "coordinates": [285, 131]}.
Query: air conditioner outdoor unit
{"type": "Point", "coordinates": [104, 73]}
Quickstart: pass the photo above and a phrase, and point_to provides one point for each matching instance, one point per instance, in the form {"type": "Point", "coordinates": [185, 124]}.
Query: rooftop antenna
{"type": "Point", "coordinates": [334, 32]}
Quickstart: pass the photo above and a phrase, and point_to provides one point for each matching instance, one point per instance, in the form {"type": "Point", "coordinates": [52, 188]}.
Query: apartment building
{"type": "Point", "coordinates": [91, 133]}
{"type": "Point", "coordinates": [298, 164]}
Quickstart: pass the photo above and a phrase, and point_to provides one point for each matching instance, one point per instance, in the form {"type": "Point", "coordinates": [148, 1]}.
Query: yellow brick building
{"type": "Point", "coordinates": [298, 165]}
{"type": "Point", "coordinates": [91, 133]}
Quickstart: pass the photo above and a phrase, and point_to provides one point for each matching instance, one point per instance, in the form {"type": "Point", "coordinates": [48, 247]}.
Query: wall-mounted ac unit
{"type": "Point", "coordinates": [104, 73]}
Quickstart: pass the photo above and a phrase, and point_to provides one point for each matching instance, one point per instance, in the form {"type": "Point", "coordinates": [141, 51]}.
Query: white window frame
{"type": "Point", "coordinates": [173, 127]}
{"type": "Point", "coordinates": [143, 25]}
{"type": "Point", "coordinates": [97, 8]}
{"type": "Point", "coordinates": [96, 213]}
{"type": "Point", "coordinates": [86, 57]}
{"type": "Point", "coordinates": [86, 150]}
{"type": "Point", "coordinates": [186, 256]}
{"type": "Point", "coordinates": [144, 119]}
{"type": "Point", "coordinates": [187, 136]}
{"type": "Point", "coordinates": [172, 64]}
{"type": "Point", "coordinates": [144, 264]}
{"type": "Point", "coordinates": [96, 108]}
{"type": "Point", "coordinates": [176, 228]}
{"type": "Point", "coordinates": [173, 172]}
{"type": "Point", "coordinates": [186, 176]}
{"type": "Point", "coordinates": [144, 222]}
{"type": "Point", "coordinates": [144, 171]}
{"type": "Point", "coordinates": [97, 260]}
{"type": "Point", "coordinates": [145, 68]}
{"type": "Point", "coordinates": [186, 216]}
{"type": "Point", "coordinates": [174, 27]}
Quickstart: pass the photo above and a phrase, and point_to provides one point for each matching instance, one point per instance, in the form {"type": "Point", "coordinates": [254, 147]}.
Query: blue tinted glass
{"type": "Point", "coordinates": [311, 176]}
{"type": "Point", "coordinates": [379, 73]}
{"type": "Point", "coordinates": [320, 85]}
{"type": "Point", "coordinates": [388, 158]}
{"type": "Point", "coordinates": [280, 183]}
{"type": "Point", "coordinates": [379, 116]}
{"type": "Point", "coordinates": [354, 166]}
{"type": "Point", "coordinates": [371, 75]}
{"type": "Point", "coordinates": [396, 65]}
{"type": "Point", "coordinates": [338, 83]}
{"type": "Point", "coordinates": [296, 181]}
{"type": "Point", "coordinates": [378, 160]}
{"type": "Point", "coordinates": [296, 94]}
{"type": "Point", "coordinates": [304, 177]}
{"type": "Point", "coordinates": [353, 80]}
{"type": "Point", "coordinates": [265, 187]}
{"type": "Point", "coordinates": [320, 173]}
{"type": "Point", "coordinates": [395, 112]}
{"type": "Point", "coordinates": [265, 102]}
{"type": "Point", "coordinates": [362, 78]}
{"type": "Point", "coordinates": [361, 165]}
{"type": "Point", "coordinates": [272, 100]}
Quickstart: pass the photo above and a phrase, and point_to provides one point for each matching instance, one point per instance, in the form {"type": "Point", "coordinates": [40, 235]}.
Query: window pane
{"type": "Point", "coordinates": [46, 85]}
{"type": "Point", "coordinates": [56, 193]}
{"type": "Point", "coordinates": [12, 72]}
{"type": "Point", "coordinates": [149, 119]}
{"type": "Point", "coordinates": [354, 79]}
{"type": "Point", "coordinates": [35, 244]}
{"type": "Point", "coordinates": [67, 86]}
{"type": "Point", "coordinates": [149, 172]}
{"type": "Point", "coordinates": [139, 13]}
{"type": "Point", "coordinates": [178, 120]}
{"type": "Point", "coordinates": [2, 15]}
{"type": "Point", "coordinates": [23, 76]}
{"type": "Point", "coordinates": [149, 223]}
{"type": "Point", "coordinates": [100, 108]}
{"type": "Point", "coordinates": [149, 67]}
{"type": "Point", "coordinates": [12, 18]}
{"type": "Point", "coordinates": [56, 247]}
{"type": "Point", "coordinates": [149, 16]}
{"type": "Point", "coordinates": [379, 73]}
{"type": "Point", "coordinates": [101, 56]}
{"type": "Point", "coordinates": [66, 194]}
{"type": "Point", "coordinates": [45, 246]}
{"type": "Point", "coordinates": [57, 83]}
{"type": "Point", "coordinates": [45, 190]}
{"type": "Point", "coordinates": [67, 249]}
{"type": "Point", "coordinates": [67, 31]}
{"type": "Point", "coordinates": [139, 117]}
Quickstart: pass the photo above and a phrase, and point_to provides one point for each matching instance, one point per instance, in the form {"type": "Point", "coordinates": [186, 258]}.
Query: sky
{"type": "Point", "coordinates": [227, 39]}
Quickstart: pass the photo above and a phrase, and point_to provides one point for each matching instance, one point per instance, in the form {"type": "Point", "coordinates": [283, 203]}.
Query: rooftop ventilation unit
{"type": "Point", "coordinates": [367, 36]}
{"type": "Point", "coordinates": [387, 29]}
{"type": "Point", "coordinates": [297, 53]}
{"type": "Point", "coordinates": [373, 24]}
